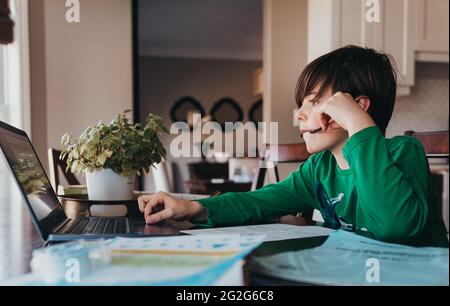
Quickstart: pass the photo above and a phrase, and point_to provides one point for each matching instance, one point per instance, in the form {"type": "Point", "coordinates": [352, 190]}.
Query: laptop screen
{"type": "Point", "coordinates": [33, 182]}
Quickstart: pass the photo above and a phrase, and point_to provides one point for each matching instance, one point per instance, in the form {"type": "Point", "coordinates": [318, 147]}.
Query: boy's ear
{"type": "Point", "coordinates": [363, 102]}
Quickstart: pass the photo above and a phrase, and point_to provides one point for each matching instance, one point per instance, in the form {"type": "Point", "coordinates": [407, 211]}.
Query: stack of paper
{"type": "Point", "coordinates": [272, 232]}
{"type": "Point", "coordinates": [350, 259]}
{"type": "Point", "coordinates": [180, 261]}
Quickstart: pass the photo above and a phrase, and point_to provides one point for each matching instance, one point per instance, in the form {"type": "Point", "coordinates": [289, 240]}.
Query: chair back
{"type": "Point", "coordinates": [54, 162]}
{"type": "Point", "coordinates": [274, 154]}
{"type": "Point", "coordinates": [435, 144]}
{"type": "Point", "coordinates": [268, 165]}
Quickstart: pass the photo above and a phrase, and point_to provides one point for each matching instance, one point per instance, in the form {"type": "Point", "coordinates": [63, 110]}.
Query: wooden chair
{"type": "Point", "coordinates": [435, 145]}
{"type": "Point", "coordinates": [282, 153]}
{"type": "Point", "coordinates": [274, 154]}
{"type": "Point", "coordinates": [54, 162]}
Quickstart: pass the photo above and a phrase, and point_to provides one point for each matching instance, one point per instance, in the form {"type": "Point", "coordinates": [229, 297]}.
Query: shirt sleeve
{"type": "Point", "coordinates": [292, 195]}
{"type": "Point", "coordinates": [392, 184]}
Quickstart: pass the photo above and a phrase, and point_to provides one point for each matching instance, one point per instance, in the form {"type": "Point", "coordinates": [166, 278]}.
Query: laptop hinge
{"type": "Point", "coordinates": [60, 226]}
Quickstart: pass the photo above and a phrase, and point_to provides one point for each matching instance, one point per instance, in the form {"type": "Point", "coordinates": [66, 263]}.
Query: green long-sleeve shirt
{"type": "Point", "coordinates": [386, 193]}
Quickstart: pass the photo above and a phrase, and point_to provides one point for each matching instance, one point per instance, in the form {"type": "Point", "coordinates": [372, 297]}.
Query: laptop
{"type": "Point", "coordinates": [46, 211]}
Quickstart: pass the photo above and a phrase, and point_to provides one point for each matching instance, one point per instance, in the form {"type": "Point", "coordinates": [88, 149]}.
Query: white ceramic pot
{"type": "Point", "coordinates": [105, 185]}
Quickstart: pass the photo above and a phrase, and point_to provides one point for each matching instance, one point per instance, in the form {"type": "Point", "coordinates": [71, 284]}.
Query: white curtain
{"type": "Point", "coordinates": [14, 110]}
{"type": "Point", "coordinates": [15, 71]}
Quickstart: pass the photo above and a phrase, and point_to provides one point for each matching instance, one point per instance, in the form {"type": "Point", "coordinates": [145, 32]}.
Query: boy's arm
{"type": "Point", "coordinates": [393, 187]}
{"type": "Point", "coordinates": [292, 195]}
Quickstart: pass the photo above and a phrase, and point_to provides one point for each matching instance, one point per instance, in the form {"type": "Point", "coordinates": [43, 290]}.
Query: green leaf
{"type": "Point", "coordinates": [120, 146]}
{"type": "Point", "coordinates": [101, 159]}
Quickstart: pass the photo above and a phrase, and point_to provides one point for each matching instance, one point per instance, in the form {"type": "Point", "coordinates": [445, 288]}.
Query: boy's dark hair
{"type": "Point", "coordinates": [357, 71]}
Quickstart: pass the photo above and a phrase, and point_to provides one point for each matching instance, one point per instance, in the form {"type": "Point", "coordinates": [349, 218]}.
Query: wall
{"type": "Point", "coordinates": [284, 56]}
{"type": "Point", "coordinates": [80, 72]}
{"type": "Point", "coordinates": [165, 80]}
{"type": "Point", "coordinates": [225, 29]}
{"type": "Point", "coordinates": [426, 109]}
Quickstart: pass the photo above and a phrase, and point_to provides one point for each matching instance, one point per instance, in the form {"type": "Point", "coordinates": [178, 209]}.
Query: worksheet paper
{"type": "Point", "coordinates": [273, 232]}
{"type": "Point", "coordinates": [350, 259]}
{"type": "Point", "coordinates": [171, 261]}
{"type": "Point", "coordinates": [178, 260]}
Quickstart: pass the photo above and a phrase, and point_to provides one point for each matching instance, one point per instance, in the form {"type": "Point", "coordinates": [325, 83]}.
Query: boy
{"type": "Point", "coordinates": [356, 176]}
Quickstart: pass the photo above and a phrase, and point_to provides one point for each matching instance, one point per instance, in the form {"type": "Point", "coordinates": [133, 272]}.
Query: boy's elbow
{"type": "Point", "coordinates": [398, 229]}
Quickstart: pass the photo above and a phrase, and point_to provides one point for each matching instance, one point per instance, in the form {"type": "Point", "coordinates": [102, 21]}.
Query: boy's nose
{"type": "Point", "coordinates": [301, 116]}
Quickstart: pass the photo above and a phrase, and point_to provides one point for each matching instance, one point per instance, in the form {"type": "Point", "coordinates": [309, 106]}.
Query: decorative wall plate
{"type": "Point", "coordinates": [255, 112]}
{"type": "Point", "coordinates": [183, 107]}
{"type": "Point", "coordinates": [226, 110]}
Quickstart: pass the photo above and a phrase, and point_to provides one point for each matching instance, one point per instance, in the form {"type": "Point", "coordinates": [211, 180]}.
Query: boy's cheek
{"type": "Point", "coordinates": [314, 121]}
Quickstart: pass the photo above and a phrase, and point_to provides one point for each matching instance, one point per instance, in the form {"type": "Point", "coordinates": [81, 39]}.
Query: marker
{"type": "Point", "coordinates": [320, 130]}
{"type": "Point", "coordinates": [315, 131]}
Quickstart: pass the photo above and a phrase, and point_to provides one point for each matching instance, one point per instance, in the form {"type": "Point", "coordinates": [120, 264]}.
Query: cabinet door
{"type": "Point", "coordinates": [432, 41]}
{"type": "Point", "coordinates": [393, 34]}
{"type": "Point", "coordinates": [349, 23]}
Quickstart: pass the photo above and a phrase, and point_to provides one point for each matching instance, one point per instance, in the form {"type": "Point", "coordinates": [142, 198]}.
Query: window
{"type": "Point", "coordinates": [14, 70]}
{"type": "Point", "coordinates": [15, 110]}
{"type": "Point", "coordinates": [14, 82]}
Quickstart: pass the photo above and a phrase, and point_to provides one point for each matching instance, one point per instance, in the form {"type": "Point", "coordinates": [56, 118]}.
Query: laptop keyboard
{"type": "Point", "coordinates": [97, 226]}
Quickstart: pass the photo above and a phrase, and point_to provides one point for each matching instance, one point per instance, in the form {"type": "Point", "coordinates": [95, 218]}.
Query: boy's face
{"type": "Point", "coordinates": [309, 120]}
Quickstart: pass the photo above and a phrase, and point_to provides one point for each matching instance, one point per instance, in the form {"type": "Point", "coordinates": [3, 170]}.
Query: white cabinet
{"type": "Point", "coordinates": [432, 41]}
{"type": "Point", "coordinates": [336, 23]}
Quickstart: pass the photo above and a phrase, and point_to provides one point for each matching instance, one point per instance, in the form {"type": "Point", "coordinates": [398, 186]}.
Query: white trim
{"type": "Point", "coordinates": [403, 90]}
{"type": "Point", "coordinates": [24, 42]}
{"type": "Point", "coordinates": [17, 69]}
{"type": "Point", "coordinates": [432, 57]}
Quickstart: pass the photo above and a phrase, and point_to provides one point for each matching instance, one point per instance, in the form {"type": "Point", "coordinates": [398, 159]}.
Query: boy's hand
{"type": "Point", "coordinates": [346, 112]}
{"type": "Point", "coordinates": [162, 206]}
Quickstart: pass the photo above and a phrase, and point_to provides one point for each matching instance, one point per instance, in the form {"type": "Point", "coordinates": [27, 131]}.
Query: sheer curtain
{"type": "Point", "coordinates": [14, 71]}
{"type": "Point", "coordinates": [14, 110]}
{"type": "Point", "coordinates": [15, 82]}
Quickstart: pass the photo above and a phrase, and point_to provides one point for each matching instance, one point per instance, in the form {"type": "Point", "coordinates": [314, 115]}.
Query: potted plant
{"type": "Point", "coordinates": [111, 155]}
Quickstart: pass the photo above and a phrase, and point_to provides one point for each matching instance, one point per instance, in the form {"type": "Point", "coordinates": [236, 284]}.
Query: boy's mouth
{"type": "Point", "coordinates": [311, 131]}
{"type": "Point", "coordinates": [317, 131]}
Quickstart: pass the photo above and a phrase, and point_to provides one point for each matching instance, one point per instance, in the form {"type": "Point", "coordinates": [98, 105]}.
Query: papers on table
{"type": "Point", "coordinates": [349, 259]}
{"type": "Point", "coordinates": [222, 244]}
{"type": "Point", "coordinates": [273, 232]}
{"type": "Point", "coordinates": [179, 260]}
{"type": "Point", "coordinates": [184, 260]}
